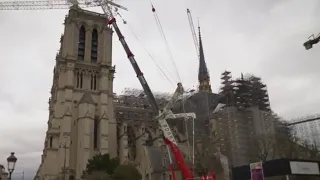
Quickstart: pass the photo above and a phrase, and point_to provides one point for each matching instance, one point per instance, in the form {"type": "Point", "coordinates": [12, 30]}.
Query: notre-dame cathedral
{"type": "Point", "coordinates": [87, 118]}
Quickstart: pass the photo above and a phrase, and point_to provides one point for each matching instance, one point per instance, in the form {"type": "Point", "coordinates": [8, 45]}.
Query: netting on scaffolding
{"type": "Point", "coordinates": [244, 91]}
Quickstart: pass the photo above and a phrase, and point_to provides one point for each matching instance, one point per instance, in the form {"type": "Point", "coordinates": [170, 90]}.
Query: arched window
{"type": "Point", "coordinates": [50, 141]}
{"type": "Point", "coordinates": [94, 46]}
{"type": "Point", "coordinates": [79, 78]}
{"type": "Point", "coordinates": [93, 84]}
{"type": "Point", "coordinates": [95, 132]}
{"type": "Point", "coordinates": [81, 43]}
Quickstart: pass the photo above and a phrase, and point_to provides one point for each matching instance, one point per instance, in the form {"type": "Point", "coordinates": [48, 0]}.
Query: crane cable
{"type": "Point", "coordinates": [165, 39]}
{"type": "Point", "coordinates": [168, 50]}
{"type": "Point", "coordinates": [183, 100]}
{"type": "Point", "coordinates": [191, 151]}
{"type": "Point", "coordinates": [149, 54]}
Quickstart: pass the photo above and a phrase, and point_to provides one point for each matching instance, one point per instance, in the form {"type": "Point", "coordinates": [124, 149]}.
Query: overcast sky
{"type": "Point", "coordinates": [262, 37]}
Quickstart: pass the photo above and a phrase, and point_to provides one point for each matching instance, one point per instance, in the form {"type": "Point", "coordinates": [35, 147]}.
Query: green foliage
{"type": "Point", "coordinates": [126, 172]}
{"type": "Point", "coordinates": [99, 175]}
{"type": "Point", "coordinates": [102, 163]}
{"type": "Point", "coordinates": [102, 167]}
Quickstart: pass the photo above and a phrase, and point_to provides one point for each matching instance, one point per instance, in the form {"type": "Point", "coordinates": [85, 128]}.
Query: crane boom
{"type": "Point", "coordinates": [52, 4]}
{"type": "Point", "coordinates": [194, 35]}
{"type": "Point", "coordinates": [162, 116]}
{"type": "Point", "coordinates": [136, 68]}
{"type": "Point", "coordinates": [33, 5]}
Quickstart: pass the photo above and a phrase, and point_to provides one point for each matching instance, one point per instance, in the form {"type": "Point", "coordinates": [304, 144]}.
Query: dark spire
{"type": "Point", "coordinates": [203, 74]}
{"type": "Point", "coordinates": [203, 70]}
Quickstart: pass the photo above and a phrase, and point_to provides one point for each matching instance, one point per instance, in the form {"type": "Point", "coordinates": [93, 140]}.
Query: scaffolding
{"type": "Point", "coordinates": [133, 108]}
{"type": "Point", "coordinates": [244, 92]}
{"type": "Point", "coordinates": [227, 89]}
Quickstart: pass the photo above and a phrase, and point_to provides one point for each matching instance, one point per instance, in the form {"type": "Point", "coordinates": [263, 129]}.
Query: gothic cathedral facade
{"type": "Point", "coordinates": [81, 114]}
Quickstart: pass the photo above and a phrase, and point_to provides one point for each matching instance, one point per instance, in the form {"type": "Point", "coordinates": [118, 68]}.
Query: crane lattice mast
{"type": "Point", "coordinates": [54, 4]}
{"type": "Point", "coordinates": [193, 31]}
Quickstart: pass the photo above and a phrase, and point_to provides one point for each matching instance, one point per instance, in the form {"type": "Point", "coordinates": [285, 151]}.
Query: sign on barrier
{"type": "Point", "coordinates": [256, 170]}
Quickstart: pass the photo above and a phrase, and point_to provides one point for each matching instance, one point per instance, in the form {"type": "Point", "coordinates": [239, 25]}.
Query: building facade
{"type": "Point", "coordinates": [81, 119]}
{"type": "Point", "coordinates": [245, 122]}
{"type": "Point", "coordinates": [237, 132]}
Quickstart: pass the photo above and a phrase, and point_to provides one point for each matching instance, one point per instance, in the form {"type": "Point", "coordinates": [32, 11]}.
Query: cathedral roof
{"type": "Point", "coordinates": [86, 98]}
{"type": "Point", "coordinates": [198, 103]}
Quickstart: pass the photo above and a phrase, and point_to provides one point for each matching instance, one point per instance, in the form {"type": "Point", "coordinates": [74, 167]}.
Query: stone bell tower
{"type": "Point", "coordinates": [81, 120]}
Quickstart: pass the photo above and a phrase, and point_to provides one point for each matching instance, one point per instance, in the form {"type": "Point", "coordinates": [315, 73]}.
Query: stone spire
{"type": "Point", "coordinates": [203, 74]}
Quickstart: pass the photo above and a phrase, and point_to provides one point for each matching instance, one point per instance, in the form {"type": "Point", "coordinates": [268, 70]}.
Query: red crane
{"type": "Point", "coordinates": [163, 115]}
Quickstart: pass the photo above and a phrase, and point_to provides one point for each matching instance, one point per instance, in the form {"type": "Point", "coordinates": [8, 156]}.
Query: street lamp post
{"type": "Point", "coordinates": [312, 40]}
{"type": "Point", "coordinates": [11, 164]}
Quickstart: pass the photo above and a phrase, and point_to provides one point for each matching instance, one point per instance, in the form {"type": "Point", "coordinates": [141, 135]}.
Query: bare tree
{"type": "Point", "coordinates": [206, 158]}
{"type": "Point", "coordinates": [293, 147]}
{"type": "Point", "coordinates": [313, 152]}
{"type": "Point", "coordinates": [284, 147]}
{"type": "Point", "coordinates": [263, 147]}
{"type": "Point", "coordinates": [270, 146]}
